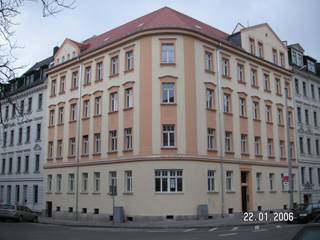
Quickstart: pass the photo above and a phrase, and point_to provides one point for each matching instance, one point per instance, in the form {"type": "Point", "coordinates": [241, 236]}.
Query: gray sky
{"type": "Point", "coordinates": [293, 20]}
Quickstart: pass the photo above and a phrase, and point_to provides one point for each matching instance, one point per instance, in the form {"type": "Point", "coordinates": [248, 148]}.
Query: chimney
{"type": "Point", "coordinates": [55, 50]}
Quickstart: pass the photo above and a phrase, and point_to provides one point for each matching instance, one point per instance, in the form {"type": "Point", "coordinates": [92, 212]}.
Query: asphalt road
{"type": "Point", "coordinates": [33, 231]}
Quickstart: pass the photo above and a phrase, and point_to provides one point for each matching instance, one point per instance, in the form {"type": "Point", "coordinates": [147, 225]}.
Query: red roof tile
{"type": "Point", "coordinates": [163, 18]}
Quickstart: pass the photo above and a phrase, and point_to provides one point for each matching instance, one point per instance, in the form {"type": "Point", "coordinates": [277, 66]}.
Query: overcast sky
{"type": "Point", "coordinates": [293, 21]}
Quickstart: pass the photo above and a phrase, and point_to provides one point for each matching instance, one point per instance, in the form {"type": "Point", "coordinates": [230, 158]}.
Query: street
{"type": "Point", "coordinates": [33, 231]}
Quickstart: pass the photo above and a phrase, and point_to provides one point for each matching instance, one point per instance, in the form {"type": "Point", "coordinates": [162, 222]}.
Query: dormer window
{"type": "Point", "coordinates": [282, 61]}
{"type": "Point", "coordinates": [252, 46]}
{"type": "Point", "coordinates": [275, 56]}
{"type": "Point", "coordinates": [260, 49]}
{"type": "Point", "coordinates": [311, 66]}
{"type": "Point", "coordinates": [294, 58]}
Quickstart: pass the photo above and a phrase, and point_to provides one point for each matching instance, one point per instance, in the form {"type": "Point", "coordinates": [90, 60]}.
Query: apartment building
{"type": "Point", "coordinates": [22, 134]}
{"type": "Point", "coordinates": [166, 115]}
{"type": "Point", "coordinates": [307, 104]}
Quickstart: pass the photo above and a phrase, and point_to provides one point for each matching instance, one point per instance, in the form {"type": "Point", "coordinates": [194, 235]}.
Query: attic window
{"type": "Point", "coordinates": [140, 24]}
{"type": "Point", "coordinates": [197, 26]}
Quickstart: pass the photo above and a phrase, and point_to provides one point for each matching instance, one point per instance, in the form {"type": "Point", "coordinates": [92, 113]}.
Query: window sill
{"type": "Point", "coordinates": [84, 155]}
{"type": "Point", "coordinates": [256, 120]}
{"type": "Point", "coordinates": [128, 109]}
{"type": "Point", "coordinates": [96, 154]}
{"type": "Point", "coordinates": [127, 193]}
{"type": "Point", "coordinates": [258, 155]}
{"type": "Point", "coordinates": [230, 191]}
{"type": "Point", "coordinates": [243, 117]}
{"type": "Point", "coordinates": [61, 93]}
{"type": "Point", "coordinates": [279, 94]}
{"type": "Point", "coordinates": [112, 152]}
{"type": "Point", "coordinates": [60, 124]}
{"type": "Point", "coordinates": [269, 123]}
{"type": "Point", "coordinates": [112, 112]}
{"type": "Point", "coordinates": [255, 87]}
{"type": "Point", "coordinates": [97, 116]}
{"type": "Point", "coordinates": [84, 193]}
{"type": "Point", "coordinates": [280, 125]}
{"type": "Point", "coordinates": [212, 192]}
{"type": "Point", "coordinates": [72, 121]}
{"type": "Point", "coordinates": [48, 193]}
{"type": "Point", "coordinates": [59, 158]}
{"type": "Point", "coordinates": [87, 84]}
{"type": "Point", "coordinates": [168, 193]}
{"type": "Point", "coordinates": [241, 82]}
{"type": "Point", "coordinates": [267, 91]}
{"type": "Point", "coordinates": [167, 64]}
{"type": "Point", "coordinates": [283, 158]}
{"type": "Point", "coordinates": [228, 113]}
{"type": "Point", "coordinates": [98, 81]}
{"type": "Point", "coordinates": [271, 157]}
{"type": "Point", "coordinates": [52, 96]}
{"type": "Point", "coordinates": [114, 75]}
{"type": "Point", "coordinates": [96, 193]}
{"type": "Point", "coordinates": [259, 191]}
{"type": "Point", "coordinates": [128, 70]}
{"type": "Point", "coordinates": [226, 77]}
{"type": "Point", "coordinates": [50, 159]}
{"type": "Point", "coordinates": [70, 193]}
{"type": "Point", "coordinates": [229, 152]}
{"type": "Point", "coordinates": [245, 154]}
{"type": "Point", "coordinates": [127, 150]}
{"type": "Point", "coordinates": [168, 104]}
{"type": "Point", "coordinates": [58, 192]}
{"type": "Point", "coordinates": [74, 89]}
{"type": "Point", "coordinates": [212, 150]}
{"type": "Point", "coordinates": [209, 71]}
{"type": "Point", "coordinates": [85, 118]}
{"type": "Point", "coordinates": [272, 191]}
{"type": "Point", "coordinates": [169, 148]}
{"type": "Point", "coordinates": [36, 172]}
{"type": "Point", "coordinates": [70, 157]}
{"type": "Point", "coordinates": [211, 109]}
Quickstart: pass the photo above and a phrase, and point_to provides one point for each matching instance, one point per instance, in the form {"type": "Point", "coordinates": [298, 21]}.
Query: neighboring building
{"type": "Point", "coordinates": [22, 136]}
{"type": "Point", "coordinates": [150, 108]}
{"type": "Point", "coordinates": [307, 104]}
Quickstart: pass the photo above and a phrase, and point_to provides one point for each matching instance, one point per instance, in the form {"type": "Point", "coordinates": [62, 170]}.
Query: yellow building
{"type": "Point", "coordinates": [144, 109]}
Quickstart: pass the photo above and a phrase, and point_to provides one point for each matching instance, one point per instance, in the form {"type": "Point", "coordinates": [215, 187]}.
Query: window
{"type": "Point", "coordinates": [208, 59]}
{"type": "Point", "coordinates": [280, 116]}
{"type": "Point", "coordinates": [84, 182]}
{"type": "Point", "coordinates": [10, 166]}
{"type": "Point", "coordinates": [278, 86]}
{"type": "Point", "coordinates": [270, 147]}
{"type": "Point", "coordinates": [301, 145]}
{"type": "Point", "coordinates": [266, 82]}
{"type": "Point", "coordinates": [128, 138]}
{"type": "Point", "coordinates": [167, 53]}
{"type": "Point", "coordinates": [318, 176]}
{"type": "Point", "coordinates": [22, 107]}
{"type": "Point", "coordinates": [282, 149]}
{"type": "Point", "coordinates": [50, 150]}
{"type": "Point", "coordinates": [252, 46]}
{"type": "Point", "coordinates": [114, 66]}
{"type": "Point", "coordinates": [211, 181]}
{"type": "Point", "coordinates": [256, 110]}
{"type": "Point", "coordinates": [268, 113]}
{"type": "Point", "coordinates": [38, 136]}
{"type": "Point", "coordinates": [7, 113]}
{"type": "Point", "coordinates": [113, 102]}
{"type": "Point", "coordinates": [168, 136]}
{"type": "Point", "coordinates": [113, 145]}
{"type": "Point", "coordinates": [99, 71]}
{"type": "Point", "coordinates": [20, 136]}
{"type": "Point", "coordinates": [59, 148]}
{"type": "Point", "coordinates": [313, 95]}
{"type": "Point", "coordinates": [49, 183]}
{"type": "Point", "coordinates": [26, 164]}
{"type": "Point", "coordinates": [51, 117]}
{"type": "Point", "coordinates": [96, 182]}
{"type": "Point", "coordinates": [257, 146]}
{"type": "Point", "coordinates": [211, 139]}
{"type": "Point", "coordinates": [128, 181]}
{"type": "Point", "coordinates": [254, 77]}
{"type": "Point", "coordinates": [271, 181]}
{"type": "Point", "coordinates": [3, 169]}
{"type": "Point", "coordinates": [59, 183]}
{"type": "Point", "coordinates": [228, 141]}
{"type": "Point", "coordinates": [73, 112]}
{"type": "Point", "coordinates": [317, 146]}
{"type": "Point", "coordinates": [275, 56]}
{"type": "Point", "coordinates": [129, 60]}
{"type": "Point", "coordinates": [243, 107]}
{"type": "Point", "coordinates": [299, 115]}
{"type": "Point", "coordinates": [282, 60]}
{"type": "Point", "coordinates": [35, 194]}
{"type": "Point", "coordinates": [309, 145]}
{"type": "Point", "coordinates": [37, 164]}
{"type": "Point", "coordinates": [225, 67]}
{"type": "Point", "coordinates": [97, 106]}
{"type": "Point", "coordinates": [1, 193]}
{"type": "Point", "coordinates": [53, 88]}
{"type": "Point", "coordinates": [40, 97]}
{"type": "Point", "coordinates": [97, 143]}
{"type": "Point", "coordinates": [210, 98]}
{"type": "Point", "coordinates": [296, 83]}
{"type": "Point", "coordinates": [28, 135]}
{"type": "Point", "coordinates": [60, 115]}
{"type": "Point", "coordinates": [74, 80]}
{"type": "Point", "coordinates": [306, 114]}
{"type": "Point", "coordinates": [168, 92]}
{"type": "Point", "coordinates": [310, 175]}
{"type": "Point", "coordinates": [244, 143]}
{"type": "Point", "coordinates": [315, 119]}
{"type": "Point", "coordinates": [13, 112]}
{"type": "Point", "coordinates": [87, 76]}
{"type": "Point", "coordinates": [29, 104]}
{"type": "Point", "coordinates": [4, 139]}
{"type": "Point", "coordinates": [113, 183]}
{"type": "Point", "coordinates": [85, 145]}
{"type": "Point", "coordinates": [227, 103]}
{"type": "Point", "coordinates": [18, 165]}
{"type": "Point", "coordinates": [260, 50]}
{"type": "Point", "coordinates": [72, 147]}
{"type": "Point", "coordinates": [128, 93]}
{"type": "Point", "coordinates": [71, 183]}
{"type": "Point", "coordinates": [259, 181]}
{"type": "Point", "coordinates": [229, 180]}
{"type": "Point", "coordinates": [302, 175]}
{"type": "Point", "coordinates": [11, 137]}
{"type": "Point", "coordinates": [86, 108]}
{"type": "Point", "coordinates": [240, 72]}
{"type": "Point", "coordinates": [304, 89]}
{"type": "Point", "coordinates": [168, 180]}
{"type": "Point", "coordinates": [62, 85]}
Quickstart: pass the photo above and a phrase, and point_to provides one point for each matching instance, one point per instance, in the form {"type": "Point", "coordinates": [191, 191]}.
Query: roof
{"type": "Point", "coordinates": [163, 18]}
{"type": "Point", "coordinates": [38, 65]}
{"type": "Point", "coordinates": [296, 46]}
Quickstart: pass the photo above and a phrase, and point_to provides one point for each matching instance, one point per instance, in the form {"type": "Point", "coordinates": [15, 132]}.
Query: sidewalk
{"type": "Point", "coordinates": [219, 222]}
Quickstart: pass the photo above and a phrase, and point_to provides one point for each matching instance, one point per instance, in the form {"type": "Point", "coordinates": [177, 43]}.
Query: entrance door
{"type": "Point", "coordinates": [244, 191]}
{"type": "Point", "coordinates": [49, 209]}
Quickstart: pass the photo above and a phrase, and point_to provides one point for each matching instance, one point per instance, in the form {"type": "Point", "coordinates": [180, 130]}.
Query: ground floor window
{"type": "Point", "coordinates": [35, 194]}
{"type": "Point", "coordinates": [168, 180]}
{"type": "Point", "coordinates": [211, 187]}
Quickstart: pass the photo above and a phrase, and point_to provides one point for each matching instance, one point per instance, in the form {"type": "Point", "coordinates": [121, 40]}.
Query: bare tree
{"type": "Point", "coordinates": [9, 9]}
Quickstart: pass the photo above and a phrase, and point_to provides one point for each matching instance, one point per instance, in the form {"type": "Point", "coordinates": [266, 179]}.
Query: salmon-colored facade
{"type": "Point", "coordinates": [162, 111]}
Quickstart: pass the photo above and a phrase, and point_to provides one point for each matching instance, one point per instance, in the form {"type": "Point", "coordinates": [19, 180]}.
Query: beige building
{"type": "Point", "coordinates": [171, 114]}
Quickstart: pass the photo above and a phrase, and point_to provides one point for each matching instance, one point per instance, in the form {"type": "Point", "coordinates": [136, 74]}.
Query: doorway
{"type": "Point", "coordinates": [306, 198]}
{"type": "Point", "coordinates": [49, 209]}
{"type": "Point", "coordinates": [244, 191]}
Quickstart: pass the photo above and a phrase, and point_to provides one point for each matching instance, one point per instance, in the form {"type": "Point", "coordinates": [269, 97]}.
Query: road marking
{"type": "Point", "coordinates": [234, 229]}
{"type": "Point", "coordinates": [256, 227]}
{"type": "Point", "coordinates": [189, 230]}
{"type": "Point", "coordinates": [227, 234]}
{"type": "Point", "coordinates": [212, 229]}
{"type": "Point", "coordinates": [259, 230]}
{"type": "Point", "coordinates": [278, 226]}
